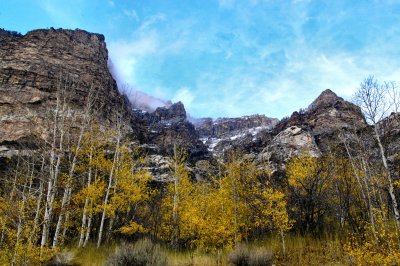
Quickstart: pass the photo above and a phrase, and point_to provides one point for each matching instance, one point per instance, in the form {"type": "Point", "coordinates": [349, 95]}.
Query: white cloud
{"type": "Point", "coordinates": [126, 54]}
{"type": "Point", "coordinates": [150, 21]}
{"type": "Point", "coordinates": [62, 15]}
{"type": "Point", "coordinates": [131, 14]}
{"type": "Point", "coordinates": [251, 74]}
{"type": "Point", "coordinates": [184, 95]}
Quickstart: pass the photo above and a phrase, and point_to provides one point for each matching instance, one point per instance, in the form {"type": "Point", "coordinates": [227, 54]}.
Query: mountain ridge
{"type": "Point", "coordinates": [28, 82]}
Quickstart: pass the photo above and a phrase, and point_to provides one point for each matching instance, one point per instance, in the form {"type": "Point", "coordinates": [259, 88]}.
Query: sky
{"type": "Point", "coordinates": [228, 58]}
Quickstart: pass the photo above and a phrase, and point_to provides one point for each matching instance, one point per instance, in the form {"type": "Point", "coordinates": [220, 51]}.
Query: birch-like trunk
{"type": "Point", "coordinates": [67, 190]}
{"type": "Point", "coordinates": [389, 177]}
{"type": "Point", "coordinates": [67, 215]}
{"type": "Point", "coordinates": [89, 226]}
{"type": "Point", "coordinates": [37, 215]}
{"type": "Point", "coordinates": [52, 180]}
{"type": "Point", "coordinates": [364, 191]}
{"type": "Point", "coordinates": [106, 198]}
{"type": "Point", "coordinates": [25, 198]}
{"type": "Point", "coordinates": [84, 213]}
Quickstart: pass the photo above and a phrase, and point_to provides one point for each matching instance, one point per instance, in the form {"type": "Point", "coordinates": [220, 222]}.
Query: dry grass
{"type": "Point", "coordinates": [91, 256]}
{"type": "Point", "coordinates": [301, 250]}
{"type": "Point", "coordinates": [196, 258]}
{"type": "Point", "coordinates": [305, 250]}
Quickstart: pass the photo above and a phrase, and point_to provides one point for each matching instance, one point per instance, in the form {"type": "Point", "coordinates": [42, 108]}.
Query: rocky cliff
{"type": "Point", "coordinates": [168, 127]}
{"type": "Point", "coordinates": [312, 131]}
{"type": "Point", "coordinates": [326, 114]}
{"type": "Point", "coordinates": [33, 69]}
{"type": "Point", "coordinates": [221, 134]}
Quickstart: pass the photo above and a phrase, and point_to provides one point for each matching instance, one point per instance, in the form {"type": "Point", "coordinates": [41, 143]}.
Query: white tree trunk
{"type": "Point", "coordinates": [52, 180]}
{"type": "Point", "coordinates": [110, 182]}
{"type": "Point", "coordinates": [389, 176]}
{"type": "Point", "coordinates": [84, 213]}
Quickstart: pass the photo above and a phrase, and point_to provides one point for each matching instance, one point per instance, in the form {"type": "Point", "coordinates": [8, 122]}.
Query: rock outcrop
{"type": "Point", "coordinates": [36, 65]}
{"type": "Point", "coordinates": [292, 141]}
{"type": "Point", "coordinates": [325, 115]}
{"type": "Point", "coordinates": [224, 133]}
{"type": "Point", "coordinates": [168, 127]}
{"type": "Point", "coordinates": [34, 69]}
{"type": "Point", "coordinates": [312, 132]}
{"type": "Point", "coordinates": [223, 127]}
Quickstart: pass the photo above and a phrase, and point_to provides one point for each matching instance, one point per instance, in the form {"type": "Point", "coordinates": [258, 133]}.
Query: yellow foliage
{"type": "Point", "coordinates": [379, 244]}
{"type": "Point", "coordinates": [216, 214]}
{"type": "Point", "coordinates": [132, 228]}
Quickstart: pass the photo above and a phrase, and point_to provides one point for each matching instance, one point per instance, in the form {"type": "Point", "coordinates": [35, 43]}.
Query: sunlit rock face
{"type": "Point", "coordinates": [326, 114]}
{"type": "Point", "coordinates": [312, 132]}
{"type": "Point", "coordinates": [35, 66]}
{"type": "Point", "coordinates": [294, 141]}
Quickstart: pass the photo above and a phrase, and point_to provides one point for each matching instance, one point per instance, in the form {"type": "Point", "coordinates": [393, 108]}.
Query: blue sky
{"type": "Point", "coordinates": [232, 57]}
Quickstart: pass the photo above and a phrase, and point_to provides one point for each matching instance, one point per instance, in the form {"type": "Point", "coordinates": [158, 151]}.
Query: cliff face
{"type": "Point", "coordinates": [312, 131]}
{"type": "Point", "coordinates": [222, 134]}
{"type": "Point", "coordinates": [36, 65]}
{"type": "Point", "coordinates": [223, 127]}
{"type": "Point", "coordinates": [168, 126]}
{"type": "Point", "coordinates": [325, 115]}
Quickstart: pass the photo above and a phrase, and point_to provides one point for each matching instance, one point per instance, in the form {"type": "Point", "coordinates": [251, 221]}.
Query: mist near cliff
{"type": "Point", "coordinates": [139, 99]}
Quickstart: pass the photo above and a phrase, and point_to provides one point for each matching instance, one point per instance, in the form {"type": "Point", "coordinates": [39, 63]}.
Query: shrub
{"type": "Point", "coordinates": [239, 256]}
{"type": "Point", "coordinates": [63, 258]}
{"type": "Point", "coordinates": [244, 256]}
{"type": "Point", "coordinates": [260, 257]}
{"type": "Point", "coordinates": [142, 253]}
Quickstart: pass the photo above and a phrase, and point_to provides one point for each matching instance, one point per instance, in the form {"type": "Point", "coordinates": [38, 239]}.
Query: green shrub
{"type": "Point", "coordinates": [142, 253]}
{"type": "Point", "coordinates": [245, 256]}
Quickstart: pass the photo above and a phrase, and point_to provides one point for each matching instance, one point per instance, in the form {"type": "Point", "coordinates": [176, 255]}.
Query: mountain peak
{"type": "Point", "coordinates": [174, 112]}
{"type": "Point", "coordinates": [327, 97]}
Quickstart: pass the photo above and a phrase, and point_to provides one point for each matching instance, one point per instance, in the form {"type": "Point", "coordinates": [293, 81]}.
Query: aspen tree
{"type": "Point", "coordinates": [67, 191]}
{"type": "Point", "coordinates": [110, 180]}
{"type": "Point", "coordinates": [55, 159]}
{"type": "Point", "coordinates": [372, 98]}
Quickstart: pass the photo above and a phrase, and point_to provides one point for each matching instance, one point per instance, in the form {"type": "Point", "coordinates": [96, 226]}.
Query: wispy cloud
{"type": "Point", "coordinates": [125, 55]}
{"type": "Point", "coordinates": [184, 95]}
{"type": "Point", "coordinates": [131, 14]}
{"type": "Point", "coordinates": [111, 3]}
{"type": "Point", "coordinates": [61, 14]}
{"type": "Point", "coordinates": [265, 57]}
